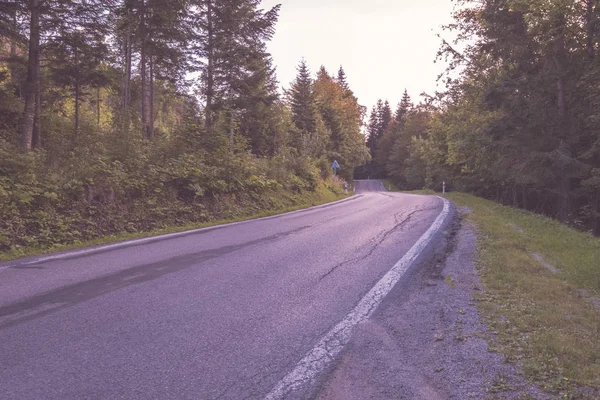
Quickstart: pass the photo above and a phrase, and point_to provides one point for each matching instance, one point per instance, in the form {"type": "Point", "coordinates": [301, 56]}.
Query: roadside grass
{"type": "Point", "coordinates": [389, 185]}
{"type": "Point", "coordinates": [547, 323]}
{"type": "Point", "coordinates": [285, 203]}
{"type": "Point", "coordinates": [422, 191]}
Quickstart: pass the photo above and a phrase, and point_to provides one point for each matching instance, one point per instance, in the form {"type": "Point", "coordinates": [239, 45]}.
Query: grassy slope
{"type": "Point", "coordinates": [283, 202]}
{"type": "Point", "coordinates": [545, 321]}
{"type": "Point", "coordinates": [541, 295]}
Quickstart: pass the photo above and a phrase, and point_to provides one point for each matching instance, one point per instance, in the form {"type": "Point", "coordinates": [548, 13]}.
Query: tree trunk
{"type": "Point", "coordinates": [77, 92]}
{"type": "Point", "coordinates": [209, 67]}
{"type": "Point", "coordinates": [560, 95]}
{"type": "Point", "coordinates": [595, 211]}
{"type": "Point", "coordinates": [591, 23]}
{"type": "Point", "coordinates": [127, 53]}
{"type": "Point", "coordinates": [127, 72]}
{"type": "Point", "coordinates": [37, 124]}
{"type": "Point", "coordinates": [143, 72]}
{"type": "Point", "coordinates": [559, 56]}
{"type": "Point", "coordinates": [98, 106]}
{"type": "Point", "coordinates": [13, 52]}
{"type": "Point", "coordinates": [151, 101]}
{"type": "Point", "coordinates": [33, 70]}
{"type": "Point", "coordinates": [231, 132]}
{"type": "Point", "coordinates": [13, 38]}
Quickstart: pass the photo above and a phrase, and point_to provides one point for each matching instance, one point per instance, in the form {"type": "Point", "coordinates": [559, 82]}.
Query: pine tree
{"type": "Point", "coordinates": [403, 107]}
{"type": "Point", "coordinates": [384, 117]}
{"type": "Point", "coordinates": [394, 151]}
{"type": "Point", "coordinates": [323, 74]}
{"type": "Point", "coordinates": [259, 108]}
{"type": "Point", "coordinates": [230, 39]}
{"type": "Point", "coordinates": [341, 78]}
{"type": "Point", "coordinates": [302, 100]}
{"type": "Point", "coordinates": [343, 82]}
{"type": "Point", "coordinates": [373, 130]}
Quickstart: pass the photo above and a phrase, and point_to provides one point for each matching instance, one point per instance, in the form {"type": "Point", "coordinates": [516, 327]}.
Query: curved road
{"type": "Point", "coordinates": [368, 185]}
{"type": "Point", "coordinates": [223, 313]}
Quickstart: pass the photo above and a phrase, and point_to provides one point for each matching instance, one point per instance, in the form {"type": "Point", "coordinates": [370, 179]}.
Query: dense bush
{"type": "Point", "coordinates": [46, 202]}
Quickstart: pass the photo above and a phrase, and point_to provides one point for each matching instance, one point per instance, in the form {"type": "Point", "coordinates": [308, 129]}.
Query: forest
{"type": "Point", "coordinates": [135, 115]}
{"type": "Point", "coordinates": [519, 120]}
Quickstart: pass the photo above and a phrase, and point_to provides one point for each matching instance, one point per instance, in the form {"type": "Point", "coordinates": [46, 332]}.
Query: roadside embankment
{"type": "Point", "coordinates": [541, 295]}
{"type": "Point", "coordinates": [511, 311]}
{"type": "Point", "coordinates": [225, 208]}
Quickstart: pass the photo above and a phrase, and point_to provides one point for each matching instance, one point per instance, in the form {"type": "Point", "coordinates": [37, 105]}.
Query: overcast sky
{"type": "Point", "coordinates": [384, 45]}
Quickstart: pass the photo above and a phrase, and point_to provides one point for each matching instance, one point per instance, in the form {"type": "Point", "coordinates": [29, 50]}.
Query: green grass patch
{"type": "Point", "coordinates": [283, 202]}
{"type": "Point", "coordinates": [544, 318]}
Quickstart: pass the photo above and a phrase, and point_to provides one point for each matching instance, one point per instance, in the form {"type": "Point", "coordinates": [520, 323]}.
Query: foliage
{"type": "Point", "coordinates": [519, 121]}
{"type": "Point", "coordinates": [102, 133]}
{"type": "Point", "coordinates": [328, 120]}
{"type": "Point", "coordinates": [383, 131]}
{"type": "Point", "coordinates": [83, 199]}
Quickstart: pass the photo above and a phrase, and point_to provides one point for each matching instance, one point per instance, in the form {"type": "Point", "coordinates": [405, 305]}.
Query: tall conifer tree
{"type": "Point", "coordinates": [302, 100]}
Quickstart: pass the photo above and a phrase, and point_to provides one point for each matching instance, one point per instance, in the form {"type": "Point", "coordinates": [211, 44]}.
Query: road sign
{"type": "Point", "coordinates": [335, 167]}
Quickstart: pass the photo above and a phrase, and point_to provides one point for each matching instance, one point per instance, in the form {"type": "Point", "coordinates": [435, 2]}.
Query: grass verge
{"type": "Point", "coordinates": [389, 185]}
{"type": "Point", "coordinates": [324, 193]}
{"type": "Point", "coordinates": [541, 295]}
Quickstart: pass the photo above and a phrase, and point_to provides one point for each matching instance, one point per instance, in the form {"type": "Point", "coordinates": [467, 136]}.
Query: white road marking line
{"type": "Point", "coordinates": [330, 345]}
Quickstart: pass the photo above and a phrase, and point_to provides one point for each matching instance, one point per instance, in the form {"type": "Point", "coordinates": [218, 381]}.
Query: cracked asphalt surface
{"type": "Point", "coordinates": [219, 314]}
{"type": "Point", "coordinates": [427, 340]}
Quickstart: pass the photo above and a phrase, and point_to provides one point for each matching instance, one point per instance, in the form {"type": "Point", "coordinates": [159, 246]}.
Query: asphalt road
{"type": "Point", "coordinates": [223, 313]}
{"type": "Point", "coordinates": [368, 185]}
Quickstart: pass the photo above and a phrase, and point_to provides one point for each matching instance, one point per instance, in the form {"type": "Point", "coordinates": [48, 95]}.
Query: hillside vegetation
{"type": "Point", "coordinates": [127, 116]}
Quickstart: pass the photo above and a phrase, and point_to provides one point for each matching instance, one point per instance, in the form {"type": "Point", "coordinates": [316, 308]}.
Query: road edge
{"type": "Point", "coordinates": [307, 370]}
{"type": "Point", "coordinates": [85, 251]}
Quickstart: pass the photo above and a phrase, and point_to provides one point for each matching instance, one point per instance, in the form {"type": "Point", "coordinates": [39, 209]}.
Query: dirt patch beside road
{"type": "Point", "coordinates": [427, 341]}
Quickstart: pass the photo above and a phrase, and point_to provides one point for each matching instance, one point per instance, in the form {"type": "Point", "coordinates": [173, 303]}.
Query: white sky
{"type": "Point", "coordinates": [384, 46]}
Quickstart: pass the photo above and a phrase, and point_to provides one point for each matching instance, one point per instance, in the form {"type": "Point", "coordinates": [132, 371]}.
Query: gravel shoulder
{"type": "Point", "coordinates": [427, 339]}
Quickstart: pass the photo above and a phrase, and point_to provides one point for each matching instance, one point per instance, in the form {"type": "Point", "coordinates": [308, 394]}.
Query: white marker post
{"type": "Point", "coordinates": [444, 187]}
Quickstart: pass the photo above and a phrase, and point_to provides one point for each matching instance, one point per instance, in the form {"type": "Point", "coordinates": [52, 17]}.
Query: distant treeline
{"type": "Point", "coordinates": [127, 115]}
{"type": "Point", "coordinates": [520, 120]}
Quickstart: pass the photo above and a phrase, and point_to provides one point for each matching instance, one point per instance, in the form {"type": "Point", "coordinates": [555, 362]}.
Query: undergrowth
{"type": "Point", "coordinates": [82, 199]}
